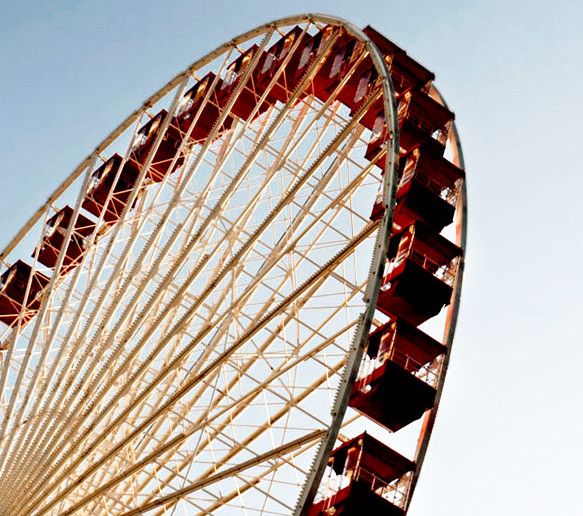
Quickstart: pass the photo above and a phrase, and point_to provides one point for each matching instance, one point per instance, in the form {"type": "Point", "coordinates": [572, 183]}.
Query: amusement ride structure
{"type": "Point", "coordinates": [243, 301]}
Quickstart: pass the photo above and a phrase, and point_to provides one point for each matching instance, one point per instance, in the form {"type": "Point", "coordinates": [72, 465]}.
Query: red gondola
{"type": "Point", "coordinates": [102, 182]}
{"type": "Point", "coordinates": [52, 243]}
{"type": "Point", "coordinates": [397, 377]}
{"type": "Point", "coordinates": [192, 111]}
{"type": "Point", "coordinates": [13, 284]}
{"type": "Point", "coordinates": [427, 190]}
{"type": "Point", "coordinates": [366, 478]}
{"type": "Point", "coordinates": [343, 53]}
{"type": "Point", "coordinates": [418, 281]}
{"type": "Point", "coordinates": [405, 72]}
{"type": "Point", "coordinates": [247, 100]}
{"type": "Point", "coordinates": [358, 87]}
{"type": "Point", "coordinates": [310, 50]}
{"type": "Point", "coordinates": [166, 152]}
{"type": "Point", "coordinates": [422, 120]}
{"type": "Point", "coordinates": [273, 60]}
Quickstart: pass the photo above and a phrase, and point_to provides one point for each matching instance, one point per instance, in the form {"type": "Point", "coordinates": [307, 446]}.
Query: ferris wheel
{"type": "Point", "coordinates": [243, 301]}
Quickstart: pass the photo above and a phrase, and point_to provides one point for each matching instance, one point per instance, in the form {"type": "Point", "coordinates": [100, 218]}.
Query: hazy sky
{"type": "Point", "coordinates": [507, 439]}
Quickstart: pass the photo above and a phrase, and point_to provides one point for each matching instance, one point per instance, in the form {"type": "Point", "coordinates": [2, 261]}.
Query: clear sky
{"type": "Point", "coordinates": [507, 439]}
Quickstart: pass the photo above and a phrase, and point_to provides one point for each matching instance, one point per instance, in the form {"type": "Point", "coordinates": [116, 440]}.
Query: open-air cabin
{"type": "Point", "coordinates": [398, 374]}
{"type": "Point", "coordinates": [428, 189]}
{"type": "Point", "coordinates": [199, 110]}
{"type": "Point", "coordinates": [54, 238]}
{"type": "Point", "coordinates": [165, 160]}
{"type": "Point", "coordinates": [13, 285]}
{"type": "Point", "coordinates": [420, 274]}
{"type": "Point", "coordinates": [103, 181]}
{"type": "Point", "coordinates": [365, 477]}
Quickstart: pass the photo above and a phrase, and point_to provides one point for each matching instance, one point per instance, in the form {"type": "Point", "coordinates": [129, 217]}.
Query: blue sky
{"type": "Point", "coordinates": [507, 436]}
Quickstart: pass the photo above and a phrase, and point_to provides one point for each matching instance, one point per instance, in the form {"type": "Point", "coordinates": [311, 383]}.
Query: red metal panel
{"type": "Point", "coordinates": [374, 456]}
{"type": "Point", "coordinates": [358, 86]}
{"type": "Point", "coordinates": [13, 283]}
{"type": "Point", "coordinates": [392, 396]}
{"type": "Point", "coordinates": [334, 68]}
{"type": "Point", "coordinates": [103, 182]}
{"type": "Point", "coordinates": [368, 470]}
{"type": "Point", "coordinates": [273, 59]}
{"type": "Point", "coordinates": [192, 103]}
{"type": "Point", "coordinates": [407, 341]}
{"type": "Point", "coordinates": [427, 190]}
{"type": "Point", "coordinates": [414, 294]}
{"type": "Point", "coordinates": [422, 120]}
{"type": "Point", "coordinates": [405, 72]}
{"type": "Point", "coordinates": [165, 153]}
{"type": "Point", "coordinates": [53, 241]}
{"type": "Point", "coordinates": [249, 96]}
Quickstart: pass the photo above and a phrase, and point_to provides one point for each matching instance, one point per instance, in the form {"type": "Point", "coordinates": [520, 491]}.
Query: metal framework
{"type": "Point", "coordinates": [192, 343]}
